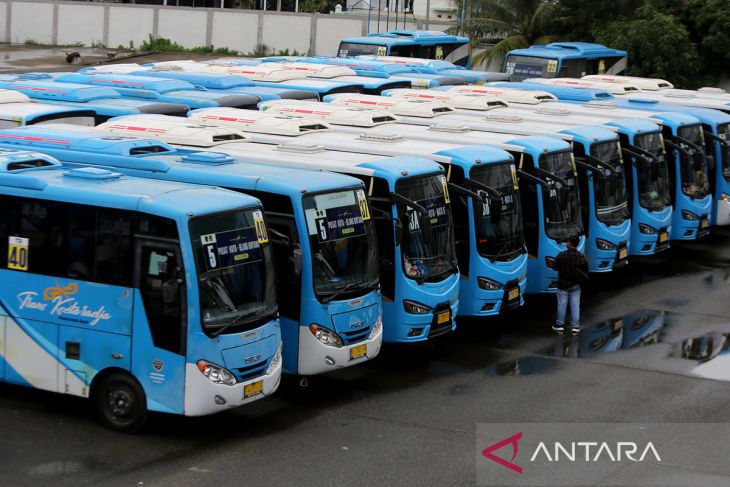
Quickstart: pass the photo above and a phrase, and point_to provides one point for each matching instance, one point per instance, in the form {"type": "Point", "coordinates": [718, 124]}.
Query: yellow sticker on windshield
{"type": "Point", "coordinates": [575, 168]}
{"type": "Point", "coordinates": [445, 185]}
{"type": "Point", "coordinates": [514, 176]}
{"type": "Point", "coordinates": [382, 50]}
{"type": "Point", "coordinates": [552, 66]}
{"type": "Point", "coordinates": [258, 220]}
{"type": "Point", "coordinates": [18, 253]}
{"type": "Point", "coordinates": [620, 153]}
{"type": "Point", "coordinates": [362, 201]}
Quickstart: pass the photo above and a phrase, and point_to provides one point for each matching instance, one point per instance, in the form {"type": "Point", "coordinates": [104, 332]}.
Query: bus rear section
{"type": "Point", "coordinates": [119, 289]}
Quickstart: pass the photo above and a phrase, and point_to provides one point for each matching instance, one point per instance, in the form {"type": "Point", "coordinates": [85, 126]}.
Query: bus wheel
{"type": "Point", "coordinates": [121, 403]}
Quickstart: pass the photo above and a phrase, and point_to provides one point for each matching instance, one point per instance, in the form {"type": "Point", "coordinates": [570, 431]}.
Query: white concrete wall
{"type": "Point", "coordinates": [117, 25]}
{"type": "Point", "coordinates": [187, 26]}
{"type": "Point", "coordinates": [31, 21]}
{"type": "Point", "coordinates": [235, 30]}
{"type": "Point", "coordinates": [80, 23]}
{"type": "Point", "coordinates": [129, 24]}
{"type": "Point", "coordinates": [331, 30]}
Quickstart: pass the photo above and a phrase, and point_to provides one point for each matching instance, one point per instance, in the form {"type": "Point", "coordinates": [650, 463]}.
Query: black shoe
{"type": "Point", "coordinates": [575, 331]}
{"type": "Point", "coordinates": [558, 328]}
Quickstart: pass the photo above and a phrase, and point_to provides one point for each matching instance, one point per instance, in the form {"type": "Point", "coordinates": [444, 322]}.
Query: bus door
{"type": "Point", "coordinates": [160, 324]}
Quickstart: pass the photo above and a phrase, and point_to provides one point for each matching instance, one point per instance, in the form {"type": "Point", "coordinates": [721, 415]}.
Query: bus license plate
{"type": "Point", "coordinates": [663, 237]}
{"type": "Point", "coordinates": [253, 388]}
{"type": "Point", "coordinates": [513, 294]}
{"type": "Point", "coordinates": [622, 254]}
{"type": "Point", "coordinates": [704, 224]}
{"type": "Point", "coordinates": [358, 351]}
{"type": "Point", "coordinates": [442, 318]}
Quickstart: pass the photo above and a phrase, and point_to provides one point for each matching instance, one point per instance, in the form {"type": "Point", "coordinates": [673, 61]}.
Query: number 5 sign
{"type": "Point", "coordinates": [18, 253]}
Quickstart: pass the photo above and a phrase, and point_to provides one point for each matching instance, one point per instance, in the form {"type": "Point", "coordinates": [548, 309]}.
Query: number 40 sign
{"type": "Point", "coordinates": [18, 253]}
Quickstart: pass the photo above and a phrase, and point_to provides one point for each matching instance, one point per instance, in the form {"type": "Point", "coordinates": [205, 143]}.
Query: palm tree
{"type": "Point", "coordinates": [508, 24]}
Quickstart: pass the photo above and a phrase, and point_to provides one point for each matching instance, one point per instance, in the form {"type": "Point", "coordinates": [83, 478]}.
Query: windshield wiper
{"type": "Point", "coordinates": [241, 320]}
{"type": "Point", "coordinates": [329, 298]}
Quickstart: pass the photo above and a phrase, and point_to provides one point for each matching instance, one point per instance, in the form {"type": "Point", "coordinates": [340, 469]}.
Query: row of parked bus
{"type": "Point", "coordinates": [179, 258]}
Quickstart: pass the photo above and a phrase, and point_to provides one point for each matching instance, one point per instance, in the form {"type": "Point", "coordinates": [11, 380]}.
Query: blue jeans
{"type": "Point", "coordinates": [571, 295]}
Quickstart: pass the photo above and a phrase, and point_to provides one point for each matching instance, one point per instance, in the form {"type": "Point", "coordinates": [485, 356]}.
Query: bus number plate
{"type": "Point", "coordinates": [358, 351]}
{"type": "Point", "coordinates": [253, 388]}
{"type": "Point", "coordinates": [442, 318]}
{"type": "Point", "coordinates": [663, 237]}
{"type": "Point", "coordinates": [513, 294]}
{"type": "Point", "coordinates": [622, 254]}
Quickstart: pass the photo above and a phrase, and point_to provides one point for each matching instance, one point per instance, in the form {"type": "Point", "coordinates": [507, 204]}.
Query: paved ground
{"type": "Point", "coordinates": [410, 416]}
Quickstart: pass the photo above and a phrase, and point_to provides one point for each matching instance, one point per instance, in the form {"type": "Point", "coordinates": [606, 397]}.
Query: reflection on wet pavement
{"type": "Point", "coordinates": [638, 329]}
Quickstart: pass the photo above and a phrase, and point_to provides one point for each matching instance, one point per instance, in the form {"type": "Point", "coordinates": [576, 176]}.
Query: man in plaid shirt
{"type": "Point", "coordinates": [572, 268]}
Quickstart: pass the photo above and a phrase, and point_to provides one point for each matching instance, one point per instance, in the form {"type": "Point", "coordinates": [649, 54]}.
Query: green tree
{"type": "Point", "coordinates": [579, 20]}
{"type": "Point", "coordinates": [659, 46]}
{"type": "Point", "coordinates": [509, 24]}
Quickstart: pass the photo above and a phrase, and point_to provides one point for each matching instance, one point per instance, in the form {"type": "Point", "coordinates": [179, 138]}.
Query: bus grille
{"type": "Point", "coordinates": [249, 372]}
{"type": "Point", "coordinates": [355, 336]}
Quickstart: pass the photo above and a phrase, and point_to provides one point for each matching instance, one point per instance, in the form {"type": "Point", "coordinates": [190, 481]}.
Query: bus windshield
{"type": "Point", "coordinates": [653, 188]}
{"type": "Point", "coordinates": [427, 259]}
{"type": "Point", "coordinates": [723, 132]}
{"type": "Point", "coordinates": [344, 246]}
{"type": "Point", "coordinates": [351, 49]}
{"type": "Point", "coordinates": [561, 204]}
{"type": "Point", "coordinates": [235, 270]}
{"type": "Point", "coordinates": [500, 239]}
{"type": "Point", "coordinates": [693, 168]}
{"type": "Point", "coordinates": [610, 189]}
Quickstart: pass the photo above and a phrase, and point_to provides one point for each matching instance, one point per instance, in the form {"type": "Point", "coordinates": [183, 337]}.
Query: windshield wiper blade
{"type": "Point", "coordinates": [329, 298]}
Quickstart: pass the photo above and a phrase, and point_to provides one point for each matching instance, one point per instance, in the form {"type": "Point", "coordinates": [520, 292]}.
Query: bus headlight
{"type": "Point", "coordinates": [688, 215]}
{"type": "Point", "coordinates": [328, 337]}
{"type": "Point", "coordinates": [604, 244]}
{"type": "Point", "coordinates": [216, 373]}
{"type": "Point", "coordinates": [415, 308]}
{"type": "Point", "coordinates": [275, 361]}
{"type": "Point", "coordinates": [488, 284]}
{"type": "Point", "coordinates": [376, 327]}
{"type": "Point", "coordinates": [646, 229]}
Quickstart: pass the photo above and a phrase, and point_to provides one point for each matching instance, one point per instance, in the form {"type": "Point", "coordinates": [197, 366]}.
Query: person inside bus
{"type": "Point", "coordinates": [572, 268]}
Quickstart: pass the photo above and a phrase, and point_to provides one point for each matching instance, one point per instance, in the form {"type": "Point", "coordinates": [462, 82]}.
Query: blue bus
{"type": "Point", "coordinates": [104, 102]}
{"type": "Point", "coordinates": [229, 83]}
{"type": "Point", "coordinates": [26, 113]}
{"type": "Point", "coordinates": [490, 247]}
{"type": "Point", "coordinates": [113, 289]}
{"type": "Point", "coordinates": [409, 43]}
{"type": "Point", "coordinates": [164, 90]}
{"type": "Point", "coordinates": [329, 301]}
{"type": "Point", "coordinates": [411, 211]}
{"type": "Point", "coordinates": [376, 69]}
{"type": "Point", "coordinates": [548, 188]}
{"type": "Point", "coordinates": [430, 66]}
{"type": "Point", "coordinates": [564, 60]}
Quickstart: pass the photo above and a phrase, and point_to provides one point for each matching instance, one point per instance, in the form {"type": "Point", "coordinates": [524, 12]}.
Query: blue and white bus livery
{"type": "Point", "coordinates": [119, 289]}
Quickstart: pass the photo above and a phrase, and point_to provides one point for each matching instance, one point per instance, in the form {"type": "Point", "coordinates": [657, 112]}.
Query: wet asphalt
{"type": "Point", "coordinates": [655, 347]}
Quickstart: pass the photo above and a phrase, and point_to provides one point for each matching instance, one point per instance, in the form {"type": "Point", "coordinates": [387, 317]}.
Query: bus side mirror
{"type": "Point", "coordinates": [398, 231]}
{"type": "Point", "coordinates": [495, 210]}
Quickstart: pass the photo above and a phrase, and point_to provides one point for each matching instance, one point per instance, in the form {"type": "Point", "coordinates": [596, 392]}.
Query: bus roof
{"type": "Point", "coordinates": [405, 37]}
{"type": "Point", "coordinates": [568, 50]}
{"type": "Point", "coordinates": [562, 92]}
{"type": "Point", "coordinates": [102, 187]}
{"type": "Point", "coordinates": [140, 158]}
{"type": "Point", "coordinates": [49, 89]}
{"type": "Point", "coordinates": [24, 111]}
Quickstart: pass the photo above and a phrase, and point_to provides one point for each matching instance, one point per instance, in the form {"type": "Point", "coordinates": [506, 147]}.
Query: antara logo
{"type": "Point", "coordinates": [587, 451]}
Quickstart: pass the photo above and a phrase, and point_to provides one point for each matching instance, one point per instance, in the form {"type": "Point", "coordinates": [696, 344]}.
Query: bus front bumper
{"type": "Point", "coordinates": [203, 396]}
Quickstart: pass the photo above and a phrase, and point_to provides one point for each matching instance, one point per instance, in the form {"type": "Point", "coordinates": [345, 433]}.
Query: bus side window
{"type": "Point", "coordinates": [530, 212]}
{"type": "Point", "coordinates": [280, 218]}
{"type": "Point", "coordinates": [5, 218]}
{"type": "Point", "coordinates": [162, 288]}
{"type": "Point", "coordinates": [43, 223]}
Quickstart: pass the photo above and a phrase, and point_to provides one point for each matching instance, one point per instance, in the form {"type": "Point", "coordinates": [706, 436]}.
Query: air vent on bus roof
{"type": "Point", "coordinates": [313, 127]}
{"type": "Point", "coordinates": [380, 137]}
{"type": "Point", "coordinates": [600, 104]}
{"type": "Point", "coordinates": [545, 97]}
{"type": "Point", "coordinates": [456, 129]}
{"type": "Point", "coordinates": [226, 137]}
{"type": "Point", "coordinates": [495, 117]}
{"type": "Point", "coordinates": [554, 111]}
{"type": "Point", "coordinates": [442, 110]}
{"type": "Point", "coordinates": [300, 148]}
{"type": "Point", "coordinates": [680, 94]}
{"type": "Point", "coordinates": [209, 158]}
{"type": "Point", "coordinates": [29, 164]}
{"type": "Point", "coordinates": [95, 173]}
{"type": "Point", "coordinates": [384, 119]}
{"type": "Point", "coordinates": [150, 149]}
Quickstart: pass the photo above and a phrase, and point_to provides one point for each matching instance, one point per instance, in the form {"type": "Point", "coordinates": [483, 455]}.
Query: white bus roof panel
{"type": "Point", "coordinates": [413, 108]}
{"type": "Point", "coordinates": [611, 87]}
{"type": "Point", "coordinates": [258, 122]}
{"type": "Point", "coordinates": [465, 101]}
{"type": "Point", "coordinates": [333, 114]}
{"type": "Point", "coordinates": [11, 96]}
{"type": "Point", "coordinates": [510, 95]}
{"type": "Point", "coordinates": [651, 84]}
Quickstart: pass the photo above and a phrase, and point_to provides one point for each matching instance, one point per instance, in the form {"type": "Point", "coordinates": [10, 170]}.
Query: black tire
{"type": "Point", "coordinates": [121, 403]}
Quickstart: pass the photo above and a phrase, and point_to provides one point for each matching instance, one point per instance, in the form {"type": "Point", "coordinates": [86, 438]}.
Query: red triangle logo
{"type": "Point", "coordinates": [512, 440]}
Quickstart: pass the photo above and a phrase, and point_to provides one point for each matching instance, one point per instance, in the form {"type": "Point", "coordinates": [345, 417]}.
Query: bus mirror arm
{"type": "Point", "coordinates": [678, 147]}
{"type": "Point", "coordinates": [466, 192]}
{"type": "Point", "coordinates": [548, 175]}
{"type": "Point", "coordinates": [688, 143]}
{"type": "Point", "coordinates": [583, 163]}
{"type": "Point", "coordinates": [493, 193]}
{"type": "Point", "coordinates": [424, 219]}
{"type": "Point", "coordinates": [717, 139]}
{"type": "Point", "coordinates": [532, 179]}
{"type": "Point", "coordinates": [397, 198]}
{"type": "Point", "coordinates": [639, 153]}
